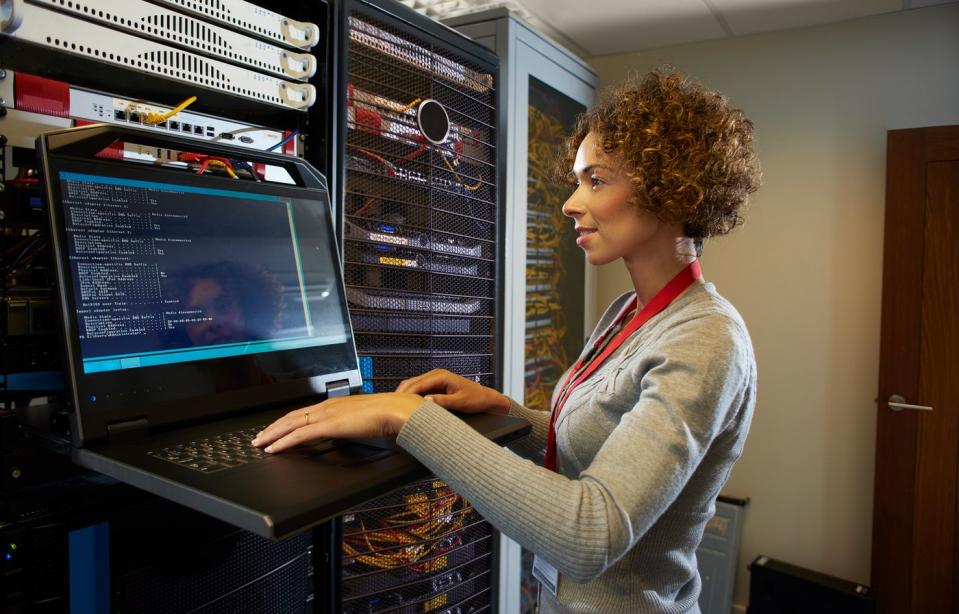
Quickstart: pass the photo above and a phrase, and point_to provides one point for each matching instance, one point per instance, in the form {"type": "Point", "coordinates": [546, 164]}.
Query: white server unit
{"type": "Point", "coordinates": [84, 33]}
{"type": "Point", "coordinates": [194, 33]}
{"type": "Point", "coordinates": [35, 104]}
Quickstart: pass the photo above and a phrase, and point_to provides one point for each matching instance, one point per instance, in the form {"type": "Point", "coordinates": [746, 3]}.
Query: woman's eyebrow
{"type": "Point", "coordinates": [586, 170]}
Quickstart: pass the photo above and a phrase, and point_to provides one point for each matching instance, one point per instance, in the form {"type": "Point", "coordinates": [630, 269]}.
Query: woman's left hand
{"type": "Point", "coordinates": [354, 417]}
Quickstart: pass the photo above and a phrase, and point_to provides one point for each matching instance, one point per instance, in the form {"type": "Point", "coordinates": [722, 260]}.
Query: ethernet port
{"type": "Point", "coordinates": [135, 117]}
{"type": "Point", "coordinates": [198, 129]}
{"type": "Point", "coordinates": [174, 125]}
{"type": "Point", "coordinates": [120, 115]}
{"type": "Point", "coordinates": [187, 127]}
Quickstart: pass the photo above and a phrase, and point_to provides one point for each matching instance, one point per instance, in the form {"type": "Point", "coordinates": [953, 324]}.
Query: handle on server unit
{"type": "Point", "coordinates": [298, 65]}
{"type": "Point", "coordinates": [11, 15]}
{"type": "Point", "coordinates": [897, 403]}
{"type": "Point", "coordinates": [300, 34]}
{"type": "Point", "coordinates": [87, 141]}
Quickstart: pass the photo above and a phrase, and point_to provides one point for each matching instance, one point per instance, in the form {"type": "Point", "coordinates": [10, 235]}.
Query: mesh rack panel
{"type": "Point", "coordinates": [420, 548]}
{"type": "Point", "coordinates": [420, 211]}
{"type": "Point", "coordinates": [252, 574]}
{"type": "Point", "coordinates": [420, 265]}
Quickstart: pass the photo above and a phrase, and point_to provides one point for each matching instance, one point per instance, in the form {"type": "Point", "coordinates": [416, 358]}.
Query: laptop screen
{"type": "Point", "coordinates": [184, 286]}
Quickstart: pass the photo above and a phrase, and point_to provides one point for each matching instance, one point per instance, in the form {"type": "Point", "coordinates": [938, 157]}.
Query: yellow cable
{"type": "Point", "coordinates": [410, 105]}
{"type": "Point", "coordinates": [229, 171]}
{"type": "Point", "coordinates": [443, 519]}
{"type": "Point", "coordinates": [159, 118]}
{"type": "Point", "coordinates": [460, 179]}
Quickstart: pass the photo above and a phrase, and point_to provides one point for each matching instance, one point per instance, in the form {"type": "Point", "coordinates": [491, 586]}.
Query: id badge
{"type": "Point", "coordinates": [547, 575]}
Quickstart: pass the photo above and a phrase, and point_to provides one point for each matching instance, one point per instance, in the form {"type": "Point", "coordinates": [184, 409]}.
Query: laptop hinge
{"type": "Point", "coordinates": [128, 429]}
{"type": "Point", "coordinates": [339, 388]}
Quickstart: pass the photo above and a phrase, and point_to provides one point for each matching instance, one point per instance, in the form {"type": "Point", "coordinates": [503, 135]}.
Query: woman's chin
{"type": "Point", "coordinates": [598, 259]}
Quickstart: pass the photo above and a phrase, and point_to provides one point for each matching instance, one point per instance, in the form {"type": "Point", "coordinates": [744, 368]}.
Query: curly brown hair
{"type": "Point", "coordinates": [687, 152]}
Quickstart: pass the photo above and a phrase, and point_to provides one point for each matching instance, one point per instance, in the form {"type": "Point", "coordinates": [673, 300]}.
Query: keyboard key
{"type": "Point", "coordinates": [216, 453]}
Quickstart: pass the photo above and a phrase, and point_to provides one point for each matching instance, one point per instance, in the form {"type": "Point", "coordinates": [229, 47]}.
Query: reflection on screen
{"type": "Point", "coordinates": [166, 273]}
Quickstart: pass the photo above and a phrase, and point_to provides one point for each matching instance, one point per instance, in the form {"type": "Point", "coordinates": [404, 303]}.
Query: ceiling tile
{"type": "Point", "coordinates": [918, 4]}
{"type": "Point", "coordinates": [616, 26]}
{"type": "Point", "coordinates": [751, 16]}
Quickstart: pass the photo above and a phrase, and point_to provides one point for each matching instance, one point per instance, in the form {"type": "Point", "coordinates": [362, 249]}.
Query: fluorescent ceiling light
{"type": "Point", "coordinates": [445, 9]}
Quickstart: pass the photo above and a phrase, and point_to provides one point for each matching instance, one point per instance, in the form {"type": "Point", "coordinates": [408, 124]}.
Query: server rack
{"type": "Point", "coordinates": [420, 223]}
{"type": "Point", "coordinates": [414, 160]}
{"type": "Point", "coordinates": [71, 542]}
{"type": "Point", "coordinates": [455, 242]}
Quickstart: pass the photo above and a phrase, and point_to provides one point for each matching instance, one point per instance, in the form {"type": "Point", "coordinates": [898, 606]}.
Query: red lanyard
{"type": "Point", "coordinates": [586, 365]}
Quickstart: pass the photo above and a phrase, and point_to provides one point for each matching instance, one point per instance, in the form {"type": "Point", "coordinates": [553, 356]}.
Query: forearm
{"type": "Point", "coordinates": [566, 521]}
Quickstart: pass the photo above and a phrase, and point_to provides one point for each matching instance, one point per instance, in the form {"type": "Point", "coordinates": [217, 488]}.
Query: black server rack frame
{"type": "Point", "coordinates": [45, 477]}
{"type": "Point", "coordinates": [417, 26]}
{"type": "Point", "coordinates": [409, 24]}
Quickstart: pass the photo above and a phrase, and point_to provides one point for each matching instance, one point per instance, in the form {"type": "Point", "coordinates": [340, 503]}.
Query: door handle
{"type": "Point", "coordinates": [897, 403]}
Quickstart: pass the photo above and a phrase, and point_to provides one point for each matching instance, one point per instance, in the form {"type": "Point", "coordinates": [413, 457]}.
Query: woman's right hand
{"type": "Point", "coordinates": [456, 393]}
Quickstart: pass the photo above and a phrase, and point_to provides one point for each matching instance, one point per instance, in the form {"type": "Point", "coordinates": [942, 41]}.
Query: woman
{"type": "Point", "coordinates": [650, 420]}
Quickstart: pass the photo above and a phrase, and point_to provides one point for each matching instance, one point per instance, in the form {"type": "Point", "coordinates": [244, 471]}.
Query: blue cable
{"type": "Point", "coordinates": [289, 138]}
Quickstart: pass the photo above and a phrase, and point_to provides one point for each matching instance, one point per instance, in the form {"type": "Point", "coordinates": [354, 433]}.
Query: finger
{"type": "Point", "coordinates": [412, 383]}
{"type": "Point", "coordinates": [332, 425]}
{"type": "Point", "coordinates": [443, 400]}
{"type": "Point", "coordinates": [288, 423]}
{"type": "Point", "coordinates": [433, 381]}
{"type": "Point", "coordinates": [277, 429]}
{"type": "Point", "coordinates": [458, 402]}
{"type": "Point", "coordinates": [408, 384]}
{"type": "Point", "coordinates": [297, 437]}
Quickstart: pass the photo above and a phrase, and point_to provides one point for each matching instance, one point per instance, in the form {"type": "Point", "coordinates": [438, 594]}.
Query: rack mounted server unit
{"type": "Point", "coordinates": [414, 164]}
{"type": "Point", "coordinates": [262, 59]}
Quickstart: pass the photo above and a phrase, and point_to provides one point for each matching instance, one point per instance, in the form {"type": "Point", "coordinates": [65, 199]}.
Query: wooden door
{"type": "Point", "coordinates": [915, 558]}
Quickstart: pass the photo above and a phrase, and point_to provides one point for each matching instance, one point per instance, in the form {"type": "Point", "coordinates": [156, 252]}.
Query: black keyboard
{"type": "Point", "coordinates": [215, 453]}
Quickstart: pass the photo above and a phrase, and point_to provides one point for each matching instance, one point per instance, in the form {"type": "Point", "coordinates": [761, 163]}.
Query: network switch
{"type": "Point", "coordinates": [195, 34]}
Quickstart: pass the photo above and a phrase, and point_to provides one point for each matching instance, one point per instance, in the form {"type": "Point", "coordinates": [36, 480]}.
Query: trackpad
{"type": "Point", "coordinates": [381, 443]}
{"type": "Point", "coordinates": [360, 452]}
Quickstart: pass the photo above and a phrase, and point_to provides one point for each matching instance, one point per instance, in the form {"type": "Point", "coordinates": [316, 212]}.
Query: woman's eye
{"type": "Point", "coordinates": [596, 181]}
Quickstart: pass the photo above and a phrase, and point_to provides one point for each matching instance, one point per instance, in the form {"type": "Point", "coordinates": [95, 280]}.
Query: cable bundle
{"type": "Point", "coordinates": [413, 537]}
{"type": "Point", "coordinates": [546, 357]}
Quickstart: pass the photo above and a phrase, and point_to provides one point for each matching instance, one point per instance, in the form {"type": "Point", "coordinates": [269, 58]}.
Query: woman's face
{"type": "Point", "coordinates": [224, 321]}
{"type": "Point", "coordinates": [608, 226]}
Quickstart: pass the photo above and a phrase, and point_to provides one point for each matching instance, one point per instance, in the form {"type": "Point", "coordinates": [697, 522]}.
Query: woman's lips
{"type": "Point", "coordinates": [583, 235]}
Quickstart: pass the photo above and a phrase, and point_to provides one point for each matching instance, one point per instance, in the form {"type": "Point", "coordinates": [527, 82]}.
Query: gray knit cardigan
{"type": "Point", "coordinates": [644, 446]}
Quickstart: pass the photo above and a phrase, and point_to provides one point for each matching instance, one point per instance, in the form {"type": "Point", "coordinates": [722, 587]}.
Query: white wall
{"type": "Point", "coordinates": [805, 271]}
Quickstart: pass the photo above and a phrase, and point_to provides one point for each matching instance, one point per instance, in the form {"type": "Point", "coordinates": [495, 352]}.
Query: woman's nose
{"type": "Point", "coordinates": [571, 208]}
